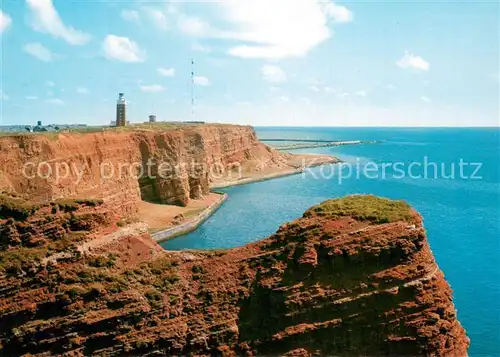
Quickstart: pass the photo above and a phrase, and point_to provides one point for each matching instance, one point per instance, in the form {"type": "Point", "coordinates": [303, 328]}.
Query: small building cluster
{"type": "Point", "coordinates": [121, 114]}
{"type": "Point", "coordinates": [39, 127]}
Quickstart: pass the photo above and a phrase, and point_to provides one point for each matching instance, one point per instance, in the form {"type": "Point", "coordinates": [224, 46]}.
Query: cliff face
{"type": "Point", "coordinates": [353, 276]}
{"type": "Point", "coordinates": [171, 166]}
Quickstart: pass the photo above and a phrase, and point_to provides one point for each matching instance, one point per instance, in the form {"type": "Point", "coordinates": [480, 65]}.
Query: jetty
{"type": "Point", "coordinates": [312, 143]}
{"type": "Point", "coordinates": [301, 140]}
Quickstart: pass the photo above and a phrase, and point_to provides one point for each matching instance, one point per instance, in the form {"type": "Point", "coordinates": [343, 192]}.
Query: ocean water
{"type": "Point", "coordinates": [461, 211]}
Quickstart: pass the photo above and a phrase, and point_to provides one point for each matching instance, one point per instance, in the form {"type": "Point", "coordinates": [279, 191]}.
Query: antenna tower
{"type": "Point", "coordinates": [192, 90]}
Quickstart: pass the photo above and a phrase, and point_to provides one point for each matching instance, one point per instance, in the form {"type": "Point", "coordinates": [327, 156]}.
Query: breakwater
{"type": "Point", "coordinates": [308, 144]}
{"type": "Point", "coordinates": [300, 140]}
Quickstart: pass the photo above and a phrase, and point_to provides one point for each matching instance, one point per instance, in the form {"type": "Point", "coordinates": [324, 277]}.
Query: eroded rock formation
{"type": "Point", "coordinates": [353, 276]}
{"type": "Point", "coordinates": [167, 166]}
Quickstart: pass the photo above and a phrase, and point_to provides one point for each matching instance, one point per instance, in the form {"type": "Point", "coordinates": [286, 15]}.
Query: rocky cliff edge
{"type": "Point", "coordinates": [165, 164]}
{"type": "Point", "coordinates": [353, 276]}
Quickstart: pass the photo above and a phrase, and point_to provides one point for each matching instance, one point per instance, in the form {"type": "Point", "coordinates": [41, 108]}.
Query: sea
{"type": "Point", "coordinates": [451, 176]}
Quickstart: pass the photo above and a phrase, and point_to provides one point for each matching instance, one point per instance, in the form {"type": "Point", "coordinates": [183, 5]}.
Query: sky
{"type": "Point", "coordinates": [258, 62]}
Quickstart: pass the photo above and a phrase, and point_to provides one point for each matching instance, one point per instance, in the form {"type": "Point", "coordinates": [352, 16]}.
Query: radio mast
{"type": "Point", "coordinates": [192, 90]}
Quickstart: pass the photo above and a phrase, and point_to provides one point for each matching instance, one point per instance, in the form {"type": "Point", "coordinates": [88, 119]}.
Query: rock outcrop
{"type": "Point", "coordinates": [353, 276]}
{"type": "Point", "coordinates": [169, 166]}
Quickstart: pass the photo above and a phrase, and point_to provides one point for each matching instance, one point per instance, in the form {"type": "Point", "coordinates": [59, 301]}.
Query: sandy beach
{"type": "Point", "coordinates": [295, 165]}
{"type": "Point", "coordinates": [158, 216]}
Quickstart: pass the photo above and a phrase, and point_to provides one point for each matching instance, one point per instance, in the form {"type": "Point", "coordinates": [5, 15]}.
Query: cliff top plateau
{"type": "Point", "coordinates": [353, 276]}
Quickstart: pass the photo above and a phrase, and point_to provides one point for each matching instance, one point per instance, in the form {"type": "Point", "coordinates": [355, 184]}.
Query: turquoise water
{"type": "Point", "coordinates": [461, 214]}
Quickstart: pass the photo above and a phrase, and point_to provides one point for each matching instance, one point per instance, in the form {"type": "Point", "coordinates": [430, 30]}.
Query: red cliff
{"type": "Point", "coordinates": [177, 163]}
{"type": "Point", "coordinates": [353, 276]}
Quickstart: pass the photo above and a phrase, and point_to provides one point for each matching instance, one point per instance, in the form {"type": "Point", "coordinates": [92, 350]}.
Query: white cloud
{"type": "Point", "coordinates": [55, 101]}
{"type": "Point", "coordinates": [425, 99]}
{"type": "Point", "coordinates": [314, 88]}
{"type": "Point", "coordinates": [338, 13]}
{"type": "Point", "coordinates": [5, 21]}
{"type": "Point", "coordinates": [390, 86]}
{"type": "Point", "coordinates": [284, 99]}
{"type": "Point", "coordinates": [166, 72]}
{"type": "Point", "coordinates": [157, 17]}
{"type": "Point", "coordinates": [360, 93]}
{"type": "Point", "coordinates": [409, 60]}
{"type": "Point", "coordinates": [193, 26]}
{"type": "Point", "coordinates": [154, 88]}
{"type": "Point", "coordinates": [3, 96]}
{"type": "Point", "coordinates": [201, 81]}
{"type": "Point", "coordinates": [130, 16]}
{"type": "Point", "coordinates": [31, 97]}
{"type": "Point", "coordinates": [280, 28]}
{"type": "Point", "coordinates": [82, 90]}
{"type": "Point", "coordinates": [44, 18]}
{"type": "Point", "coordinates": [122, 49]}
{"type": "Point", "coordinates": [172, 9]}
{"type": "Point", "coordinates": [273, 74]}
{"type": "Point", "coordinates": [39, 51]}
{"type": "Point", "coordinates": [50, 84]}
{"type": "Point", "coordinates": [263, 29]}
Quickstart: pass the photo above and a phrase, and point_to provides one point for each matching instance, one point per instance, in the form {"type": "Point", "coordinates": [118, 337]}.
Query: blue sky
{"type": "Point", "coordinates": [259, 62]}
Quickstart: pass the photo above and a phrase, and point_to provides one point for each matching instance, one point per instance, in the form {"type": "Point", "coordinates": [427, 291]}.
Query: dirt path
{"type": "Point", "coordinates": [87, 247]}
{"type": "Point", "coordinates": [130, 230]}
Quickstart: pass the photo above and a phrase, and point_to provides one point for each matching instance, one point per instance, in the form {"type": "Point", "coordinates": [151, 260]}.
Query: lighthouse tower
{"type": "Point", "coordinates": [121, 111]}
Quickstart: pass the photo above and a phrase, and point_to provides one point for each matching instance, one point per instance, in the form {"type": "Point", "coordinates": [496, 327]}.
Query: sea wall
{"type": "Point", "coordinates": [122, 167]}
{"type": "Point", "coordinates": [191, 224]}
